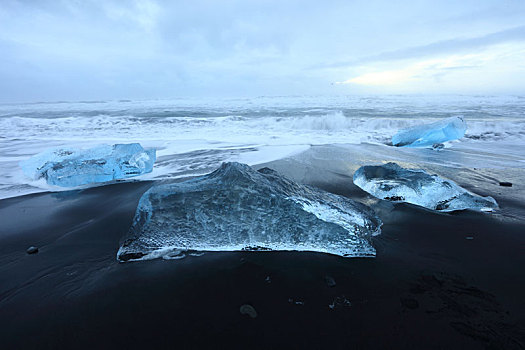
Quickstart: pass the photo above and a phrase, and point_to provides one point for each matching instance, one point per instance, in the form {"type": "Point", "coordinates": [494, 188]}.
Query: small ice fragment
{"type": "Point", "coordinates": [394, 183]}
{"type": "Point", "coordinates": [430, 135]}
{"type": "Point", "coordinates": [75, 167]}
{"type": "Point", "coordinates": [176, 254]}
{"type": "Point", "coordinates": [32, 250]}
{"type": "Point", "coordinates": [237, 208]}
{"type": "Point", "coordinates": [339, 302]}
{"type": "Point", "coordinates": [196, 254]}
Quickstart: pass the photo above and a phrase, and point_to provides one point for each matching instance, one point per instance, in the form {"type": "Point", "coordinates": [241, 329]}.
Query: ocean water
{"type": "Point", "coordinates": [194, 136]}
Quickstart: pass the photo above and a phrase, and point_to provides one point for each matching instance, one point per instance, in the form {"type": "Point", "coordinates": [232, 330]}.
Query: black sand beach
{"type": "Point", "coordinates": [439, 281]}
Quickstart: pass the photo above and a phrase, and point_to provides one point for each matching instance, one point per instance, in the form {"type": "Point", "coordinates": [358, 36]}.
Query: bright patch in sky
{"type": "Point", "coordinates": [502, 59]}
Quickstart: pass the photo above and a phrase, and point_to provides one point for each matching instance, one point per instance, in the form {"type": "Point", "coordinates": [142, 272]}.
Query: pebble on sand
{"type": "Point", "coordinates": [248, 310]}
{"type": "Point", "coordinates": [330, 282]}
{"type": "Point", "coordinates": [409, 303]}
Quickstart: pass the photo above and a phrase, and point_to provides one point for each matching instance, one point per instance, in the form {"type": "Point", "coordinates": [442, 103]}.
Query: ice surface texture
{"type": "Point", "coordinates": [74, 167]}
{"type": "Point", "coordinates": [394, 183]}
{"type": "Point", "coordinates": [237, 208]}
{"type": "Point", "coordinates": [430, 134]}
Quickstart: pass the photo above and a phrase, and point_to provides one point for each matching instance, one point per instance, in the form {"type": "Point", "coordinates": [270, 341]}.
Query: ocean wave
{"type": "Point", "coordinates": [315, 128]}
{"type": "Point", "coordinates": [191, 140]}
{"type": "Point", "coordinates": [335, 121]}
{"type": "Point", "coordinates": [496, 130]}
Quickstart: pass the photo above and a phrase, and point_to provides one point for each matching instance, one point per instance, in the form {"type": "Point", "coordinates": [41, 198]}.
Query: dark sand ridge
{"type": "Point", "coordinates": [429, 286]}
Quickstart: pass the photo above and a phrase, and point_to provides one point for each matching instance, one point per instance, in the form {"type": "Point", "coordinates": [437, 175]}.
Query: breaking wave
{"type": "Point", "coordinates": [106, 126]}
{"type": "Point", "coordinates": [194, 137]}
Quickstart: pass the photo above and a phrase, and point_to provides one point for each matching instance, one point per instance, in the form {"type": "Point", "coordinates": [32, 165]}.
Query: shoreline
{"type": "Point", "coordinates": [428, 287]}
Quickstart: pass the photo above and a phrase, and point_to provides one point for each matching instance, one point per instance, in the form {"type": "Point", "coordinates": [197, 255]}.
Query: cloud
{"type": "Point", "coordinates": [445, 47]}
{"type": "Point", "coordinates": [105, 49]}
{"type": "Point", "coordinates": [144, 13]}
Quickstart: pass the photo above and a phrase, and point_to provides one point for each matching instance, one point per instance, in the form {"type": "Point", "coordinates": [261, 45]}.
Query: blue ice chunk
{"type": "Point", "coordinates": [238, 208]}
{"type": "Point", "coordinates": [396, 184]}
{"type": "Point", "coordinates": [75, 167]}
{"type": "Point", "coordinates": [430, 134]}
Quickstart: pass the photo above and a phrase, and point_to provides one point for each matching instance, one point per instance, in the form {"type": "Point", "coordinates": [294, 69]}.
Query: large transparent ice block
{"type": "Point", "coordinates": [394, 183]}
{"type": "Point", "coordinates": [431, 134]}
{"type": "Point", "coordinates": [238, 208]}
{"type": "Point", "coordinates": [75, 167]}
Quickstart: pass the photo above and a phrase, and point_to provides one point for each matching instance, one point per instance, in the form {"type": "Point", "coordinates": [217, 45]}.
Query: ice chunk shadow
{"type": "Point", "coordinates": [75, 167]}
{"type": "Point", "coordinates": [237, 208]}
{"type": "Point", "coordinates": [396, 184]}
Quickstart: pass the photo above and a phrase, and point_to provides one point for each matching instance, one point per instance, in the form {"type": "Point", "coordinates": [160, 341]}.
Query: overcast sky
{"type": "Point", "coordinates": [91, 50]}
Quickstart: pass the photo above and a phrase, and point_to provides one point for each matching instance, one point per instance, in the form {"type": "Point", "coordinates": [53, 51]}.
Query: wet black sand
{"type": "Point", "coordinates": [440, 281]}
